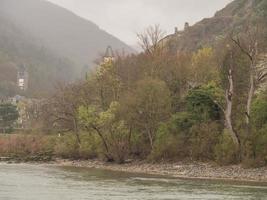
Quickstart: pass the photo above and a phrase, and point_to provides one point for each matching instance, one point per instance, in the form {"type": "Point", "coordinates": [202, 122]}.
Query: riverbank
{"type": "Point", "coordinates": [186, 170]}
{"type": "Point", "coordinates": [41, 181]}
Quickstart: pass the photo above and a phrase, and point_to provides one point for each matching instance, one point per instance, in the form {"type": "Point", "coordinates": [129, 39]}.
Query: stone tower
{"type": "Point", "coordinates": [22, 78]}
{"type": "Point", "coordinates": [109, 55]}
{"type": "Point", "coordinates": [176, 31]}
{"type": "Point", "coordinates": [186, 26]}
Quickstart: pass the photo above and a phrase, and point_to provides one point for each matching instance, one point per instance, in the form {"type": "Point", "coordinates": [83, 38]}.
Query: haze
{"type": "Point", "coordinates": [124, 18]}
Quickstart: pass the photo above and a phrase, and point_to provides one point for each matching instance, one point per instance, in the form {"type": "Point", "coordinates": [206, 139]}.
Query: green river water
{"type": "Point", "coordinates": [35, 182]}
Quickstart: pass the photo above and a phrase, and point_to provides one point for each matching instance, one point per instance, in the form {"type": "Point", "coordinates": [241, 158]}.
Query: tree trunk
{"type": "Point", "coordinates": [228, 111]}
{"type": "Point", "coordinates": [250, 95]}
{"type": "Point", "coordinates": [76, 132]}
{"type": "Point", "coordinates": [150, 137]}
{"type": "Point", "coordinates": [108, 156]}
{"type": "Point", "coordinates": [129, 140]}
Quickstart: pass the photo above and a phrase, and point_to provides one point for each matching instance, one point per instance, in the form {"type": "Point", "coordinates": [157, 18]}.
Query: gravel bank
{"type": "Point", "coordinates": [196, 170]}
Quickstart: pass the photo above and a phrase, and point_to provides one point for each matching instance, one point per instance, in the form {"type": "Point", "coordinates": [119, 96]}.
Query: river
{"type": "Point", "coordinates": [37, 182]}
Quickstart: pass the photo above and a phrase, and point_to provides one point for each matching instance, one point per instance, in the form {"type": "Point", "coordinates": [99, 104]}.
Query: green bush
{"type": "Point", "coordinates": [89, 148]}
{"type": "Point", "coordinates": [259, 111]}
{"type": "Point", "coordinates": [139, 146]}
{"type": "Point", "coordinates": [201, 103]}
{"type": "Point", "coordinates": [167, 145]}
{"type": "Point", "coordinates": [225, 151]}
{"type": "Point", "coordinates": [204, 138]}
{"type": "Point", "coordinates": [259, 148]}
{"type": "Point", "coordinates": [172, 138]}
{"type": "Point", "coordinates": [67, 147]}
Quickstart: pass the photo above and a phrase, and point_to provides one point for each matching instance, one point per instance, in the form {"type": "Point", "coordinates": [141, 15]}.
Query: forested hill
{"type": "Point", "coordinates": [52, 42]}
{"type": "Point", "coordinates": [60, 30]}
{"type": "Point", "coordinates": [44, 67]}
{"type": "Point", "coordinates": [234, 16]}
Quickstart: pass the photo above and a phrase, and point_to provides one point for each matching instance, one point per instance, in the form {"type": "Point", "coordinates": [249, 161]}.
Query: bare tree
{"type": "Point", "coordinates": [60, 111]}
{"type": "Point", "coordinates": [229, 92]}
{"type": "Point", "coordinates": [248, 43]}
{"type": "Point", "coordinates": [150, 39]}
{"type": "Point", "coordinates": [262, 69]}
{"type": "Point", "coordinates": [226, 56]}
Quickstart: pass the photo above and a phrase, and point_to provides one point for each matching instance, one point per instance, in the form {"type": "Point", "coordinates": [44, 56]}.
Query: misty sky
{"type": "Point", "coordinates": [125, 18]}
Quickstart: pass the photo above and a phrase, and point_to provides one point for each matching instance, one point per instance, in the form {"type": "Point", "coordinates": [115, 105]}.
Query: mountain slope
{"type": "Point", "coordinates": [208, 31]}
{"type": "Point", "coordinates": [18, 48]}
{"type": "Point", "coordinates": [53, 44]}
{"type": "Point", "coordinates": [60, 30]}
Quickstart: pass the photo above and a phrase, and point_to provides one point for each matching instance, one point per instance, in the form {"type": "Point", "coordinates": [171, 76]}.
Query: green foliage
{"type": "Point", "coordinates": [261, 8]}
{"type": "Point", "coordinates": [89, 116]}
{"type": "Point", "coordinates": [259, 111]}
{"type": "Point", "coordinates": [182, 121]}
{"type": "Point", "coordinates": [139, 147]}
{"type": "Point", "coordinates": [67, 147]}
{"type": "Point", "coordinates": [167, 145]}
{"type": "Point", "coordinates": [225, 151]}
{"type": "Point", "coordinates": [149, 106]}
{"type": "Point", "coordinates": [203, 102]}
{"type": "Point", "coordinates": [108, 82]}
{"type": "Point", "coordinates": [89, 148]}
{"type": "Point", "coordinates": [163, 105]}
{"type": "Point", "coordinates": [152, 96]}
{"type": "Point", "coordinates": [204, 66]}
{"type": "Point", "coordinates": [112, 131]}
{"type": "Point", "coordinates": [172, 138]}
{"type": "Point", "coordinates": [204, 138]}
{"type": "Point", "coordinates": [8, 116]}
{"type": "Point", "coordinates": [257, 145]}
{"type": "Point", "coordinates": [260, 145]}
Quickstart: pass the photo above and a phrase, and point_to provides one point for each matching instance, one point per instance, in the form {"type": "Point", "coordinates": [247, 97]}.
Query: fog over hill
{"type": "Point", "coordinates": [56, 45]}
{"type": "Point", "coordinates": [60, 30]}
{"type": "Point", "coordinates": [18, 48]}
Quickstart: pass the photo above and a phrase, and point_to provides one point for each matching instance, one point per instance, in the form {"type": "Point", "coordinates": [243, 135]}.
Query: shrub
{"type": "Point", "coordinates": [139, 146]}
{"type": "Point", "coordinates": [204, 138]}
{"type": "Point", "coordinates": [225, 151]}
{"type": "Point", "coordinates": [167, 146]}
{"type": "Point", "coordinates": [172, 138]}
{"type": "Point", "coordinates": [258, 148]}
{"type": "Point", "coordinates": [89, 146]}
{"type": "Point", "coordinates": [27, 147]}
{"type": "Point", "coordinates": [201, 102]}
{"type": "Point", "coordinates": [67, 147]}
{"type": "Point", "coordinates": [259, 111]}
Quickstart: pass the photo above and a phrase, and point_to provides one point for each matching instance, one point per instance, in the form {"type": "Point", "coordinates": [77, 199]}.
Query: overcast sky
{"type": "Point", "coordinates": [125, 18]}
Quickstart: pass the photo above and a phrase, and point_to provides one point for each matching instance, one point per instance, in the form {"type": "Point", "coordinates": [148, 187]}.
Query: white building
{"type": "Point", "coordinates": [22, 78]}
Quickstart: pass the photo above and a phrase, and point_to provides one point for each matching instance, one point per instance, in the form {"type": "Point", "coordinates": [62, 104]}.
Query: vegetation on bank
{"type": "Point", "coordinates": [209, 105]}
{"type": "Point", "coordinates": [8, 117]}
{"type": "Point", "coordinates": [162, 104]}
{"type": "Point", "coordinates": [42, 147]}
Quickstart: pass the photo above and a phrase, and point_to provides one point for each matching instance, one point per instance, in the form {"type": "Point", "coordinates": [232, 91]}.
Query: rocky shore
{"type": "Point", "coordinates": [186, 170]}
{"type": "Point", "coordinates": [192, 170]}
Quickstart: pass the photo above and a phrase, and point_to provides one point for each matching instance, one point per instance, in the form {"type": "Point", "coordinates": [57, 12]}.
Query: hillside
{"type": "Point", "coordinates": [60, 30]}
{"type": "Point", "coordinates": [52, 42]}
{"type": "Point", "coordinates": [17, 48]}
{"type": "Point", "coordinates": [208, 31]}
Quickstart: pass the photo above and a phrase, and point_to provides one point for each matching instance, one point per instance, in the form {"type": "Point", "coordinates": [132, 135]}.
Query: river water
{"type": "Point", "coordinates": [35, 182]}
